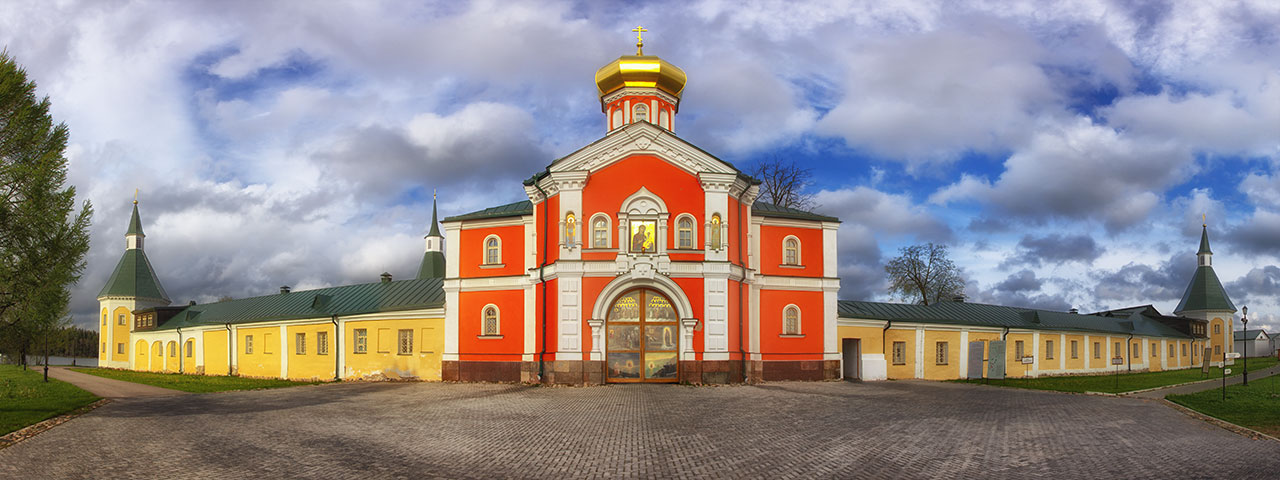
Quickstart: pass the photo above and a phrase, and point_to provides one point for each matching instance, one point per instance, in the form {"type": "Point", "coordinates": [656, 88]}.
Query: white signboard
{"type": "Point", "coordinates": [1233, 354]}
{"type": "Point", "coordinates": [1228, 372]}
{"type": "Point", "coordinates": [1117, 361]}
{"type": "Point", "coordinates": [1028, 360]}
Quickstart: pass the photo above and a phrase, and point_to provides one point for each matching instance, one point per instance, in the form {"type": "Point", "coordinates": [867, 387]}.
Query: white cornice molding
{"type": "Point", "coordinates": [640, 91]}
{"type": "Point", "coordinates": [641, 138]}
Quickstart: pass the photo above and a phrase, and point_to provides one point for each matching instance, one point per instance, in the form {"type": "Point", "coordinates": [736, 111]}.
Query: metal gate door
{"type": "Point", "coordinates": [995, 359]}
{"type": "Point", "coordinates": [975, 358]}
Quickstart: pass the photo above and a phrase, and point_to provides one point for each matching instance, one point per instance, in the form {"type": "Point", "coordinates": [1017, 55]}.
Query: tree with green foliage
{"type": "Point", "coordinates": [43, 237]}
{"type": "Point", "coordinates": [924, 274]}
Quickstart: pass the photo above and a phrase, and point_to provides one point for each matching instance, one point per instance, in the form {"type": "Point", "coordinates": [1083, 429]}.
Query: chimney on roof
{"type": "Point", "coordinates": [284, 289]}
{"type": "Point", "coordinates": [1074, 311]}
{"type": "Point", "coordinates": [959, 298]}
{"type": "Point", "coordinates": [191, 303]}
{"type": "Point", "coordinates": [386, 277]}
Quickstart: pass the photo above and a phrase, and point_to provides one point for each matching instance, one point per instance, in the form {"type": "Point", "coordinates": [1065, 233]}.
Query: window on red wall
{"type": "Point", "coordinates": [791, 321]}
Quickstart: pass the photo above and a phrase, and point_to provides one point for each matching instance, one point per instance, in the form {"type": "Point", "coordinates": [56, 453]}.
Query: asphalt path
{"type": "Point", "coordinates": [108, 388]}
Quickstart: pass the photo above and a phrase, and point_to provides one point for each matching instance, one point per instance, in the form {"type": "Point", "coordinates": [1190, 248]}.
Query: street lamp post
{"type": "Point", "coordinates": [1244, 322]}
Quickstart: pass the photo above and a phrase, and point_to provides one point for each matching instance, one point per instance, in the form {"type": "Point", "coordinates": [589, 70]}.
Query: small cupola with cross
{"type": "Point", "coordinates": [640, 88]}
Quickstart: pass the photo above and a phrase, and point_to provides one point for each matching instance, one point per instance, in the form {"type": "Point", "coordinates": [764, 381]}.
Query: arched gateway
{"type": "Point", "coordinates": [642, 338]}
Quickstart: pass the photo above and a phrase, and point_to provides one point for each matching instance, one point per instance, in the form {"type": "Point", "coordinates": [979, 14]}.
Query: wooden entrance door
{"type": "Point", "coordinates": [642, 338]}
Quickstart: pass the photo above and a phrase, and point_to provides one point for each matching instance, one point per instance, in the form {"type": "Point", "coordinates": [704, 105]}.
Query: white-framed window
{"type": "Point", "coordinates": [791, 250]}
{"type": "Point", "coordinates": [715, 232]}
{"type": "Point", "coordinates": [492, 250]}
{"type": "Point", "coordinates": [570, 229]}
{"type": "Point", "coordinates": [360, 340]}
{"type": "Point", "coordinates": [685, 237]}
{"type": "Point", "coordinates": [791, 320]}
{"type": "Point", "coordinates": [190, 348]}
{"type": "Point", "coordinates": [941, 353]}
{"type": "Point", "coordinates": [600, 231]}
{"type": "Point", "coordinates": [404, 343]}
{"type": "Point", "coordinates": [489, 325]}
{"type": "Point", "coordinates": [322, 343]}
{"type": "Point", "coordinates": [641, 113]}
{"type": "Point", "coordinates": [1048, 349]}
{"type": "Point", "coordinates": [248, 344]}
{"type": "Point", "coordinates": [299, 344]}
{"type": "Point", "coordinates": [121, 321]}
{"type": "Point", "coordinates": [899, 353]}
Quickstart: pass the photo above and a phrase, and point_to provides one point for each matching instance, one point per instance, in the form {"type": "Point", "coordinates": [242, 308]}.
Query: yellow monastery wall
{"type": "Point", "coordinates": [310, 364]}
{"type": "Point", "coordinates": [188, 362]}
{"type": "Point", "coordinates": [121, 335]}
{"type": "Point", "coordinates": [171, 356]}
{"type": "Point", "coordinates": [907, 367]}
{"type": "Point", "coordinates": [157, 356]}
{"type": "Point", "coordinates": [381, 357]}
{"type": "Point", "coordinates": [1050, 351]}
{"type": "Point", "coordinates": [1075, 357]}
{"type": "Point", "coordinates": [945, 371]}
{"type": "Point", "coordinates": [215, 353]}
{"type": "Point", "coordinates": [1097, 352]}
{"type": "Point", "coordinates": [264, 362]}
{"type": "Point", "coordinates": [1153, 354]}
{"type": "Point", "coordinates": [868, 338]}
{"type": "Point", "coordinates": [1013, 364]}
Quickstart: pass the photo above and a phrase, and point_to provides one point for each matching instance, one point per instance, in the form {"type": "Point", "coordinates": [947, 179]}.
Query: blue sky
{"type": "Point", "coordinates": [1065, 152]}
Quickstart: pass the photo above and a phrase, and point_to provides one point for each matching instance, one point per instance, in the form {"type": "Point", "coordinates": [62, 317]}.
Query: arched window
{"type": "Point", "coordinates": [715, 231]}
{"type": "Point", "coordinates": [791, 251]}
{"type": "Point", "coordinates": [664, 119]}
{"type": "Point", "coordinates": [492, 250]}
{"type": "Point", "coordinates": [617, 118]}
{"type": "Point", "coordinates": [600, 231]}
{"type": "Point", "coordinates": [173, 349]}
{"type": "Point", "coordinates": [570, 229]}
{"type": "Point", "coordinates": [684, 232]}
{"type": "Point", "coordinates": [489, 321]}
{"type": "Point", "coordinates": [791, 320]}
{"type": "Point", "coordinates": [190, 347]}
{"type": "Point", "coordinates": [104, 318]}
{"type": "Point", "coordinates": [641, 115]}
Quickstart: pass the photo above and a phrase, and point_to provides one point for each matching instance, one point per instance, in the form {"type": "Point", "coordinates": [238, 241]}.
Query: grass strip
{"type": "Point", "coordinates": [1127, 382]}
{"type": "Point", "coordinates": [25, 398]}
{"type": "Point", "coordinates": [1256, 406]}
{"type": "Point", "coordinates": [192, 383]}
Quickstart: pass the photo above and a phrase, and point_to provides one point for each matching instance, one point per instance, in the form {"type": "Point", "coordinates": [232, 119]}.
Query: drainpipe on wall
{"type": "Point", "coordinates": [884, 337]}
{"type": "Point", "coordinates": [741, 223]}
{"type": "Point", "coordinates": [337, 349]}
{"type": "Point", "coordinates": [231, 352]}
{"type": "Point", "coordinates": [542, 267]}
{"type": "Point", "coordinates": [1129, 348]}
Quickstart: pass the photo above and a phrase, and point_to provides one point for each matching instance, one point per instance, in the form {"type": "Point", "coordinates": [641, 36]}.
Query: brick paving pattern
{"type": "Point", "coordinates": [896, 429]}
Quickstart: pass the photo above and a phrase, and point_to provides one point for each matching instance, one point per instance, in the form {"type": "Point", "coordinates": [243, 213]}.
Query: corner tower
{"type": "Point", "coordinates": [433, 260]}
{"type": "Point", "coordinates": [640, 88]}
{"type": "Point", "coordinates": [132, 286]}
{"type": "Point", "coordinates": [1205, 299]}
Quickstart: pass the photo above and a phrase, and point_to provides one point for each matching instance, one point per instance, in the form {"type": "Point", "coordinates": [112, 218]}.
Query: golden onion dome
{"type": "Point", "coordinates": [640, 71]}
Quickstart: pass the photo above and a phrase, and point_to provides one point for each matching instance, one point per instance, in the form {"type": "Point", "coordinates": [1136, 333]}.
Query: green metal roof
{"type": "Point", "coordinates": [134, 277]}
{"type": "Point", "coordinates": [435, 225]}
{"type": "Point", "coordinates": [1204, 241]}
{"type": "Point", "coordinates": [1205, 292]}
{"type": "Point", "coordinates": [976, 314]}
{"type": "Point", "coordinates": [1250, 334]}
{"type": "Point", "coordinates": [523, 207]}
{"type": "Point", "coordinates": [432, 265]}
{"type": "Point", "coordinates": [324, 302]}
{"type": "Point", "coordinates": [135, 224]}
{"type": "Point", "coordinates": [765, 209]}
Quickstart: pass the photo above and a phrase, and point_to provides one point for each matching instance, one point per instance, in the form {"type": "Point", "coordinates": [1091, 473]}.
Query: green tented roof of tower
{"type": "Point", "coordinates": [1204, 241]}
{"type": "Point", "coordinates": [432, 265]}
{"type": "Point", "coordinates": [346, 300]}
{"type": "Point", "coordinates": [134, 277]}
{"type": "Point", "coordinates": [1205, 292]}
{"type": "Point", "coordinates": [435, 226]}
{"type": "Point", "coordinates": [135, 224]}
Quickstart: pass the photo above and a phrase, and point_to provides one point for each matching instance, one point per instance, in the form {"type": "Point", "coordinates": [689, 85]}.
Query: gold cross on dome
{"type": "Point", "coordinates": [135, 196]}
{"type": "Point", "coordinates": [639, 40]}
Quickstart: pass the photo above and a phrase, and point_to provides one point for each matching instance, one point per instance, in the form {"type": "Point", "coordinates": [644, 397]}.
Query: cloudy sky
{"type": "Point", "coordinates": [1064, 153]}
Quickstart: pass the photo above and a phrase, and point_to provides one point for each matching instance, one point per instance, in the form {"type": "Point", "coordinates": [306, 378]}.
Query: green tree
{"type": "Point", "coordinates": [924, 274]}
{"type": "Point", "coordinates": [43, 238]}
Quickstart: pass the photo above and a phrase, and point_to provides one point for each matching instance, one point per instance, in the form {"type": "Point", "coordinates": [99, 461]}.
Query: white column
{"type": "Point", "coordinates": [284, 352]}
{"type": "Point", "coordinates": [964, 354]}
{"type": "Point", "coordinates": [919, 352]}
{"type": "Point", "coordinates": [1035, 354]}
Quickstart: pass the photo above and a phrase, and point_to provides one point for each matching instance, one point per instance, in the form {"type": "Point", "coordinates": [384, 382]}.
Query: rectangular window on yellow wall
{"type": "Point", "coordinates": [427, 333]}
{"type": "Point", "coordinates": [121, 322]}
{"type": "Point", "coordinates": [1217, 350]}
{"type": "Point", "coordinates": [322, 343]}
{"type": "Point", "coordinates": [1097, 347]}
{"type": "Point", "coordinates": [404, 342]}
{"type": "Point", "coordinates": [1137, 350]}
{"type": "Point", "coordinates": [104, 348]}
{"type": "Point", "coordinates": [120, 348]}
{"type": "Point", "coordinates": [1170, 351]}
{"type": "Point", "coordinates": [189, 347]}
{"type": "Point", "coordinates": [1075, 349]}
{"type": "Point", "coordinates": [300, 343]}
{"type": "Point", "coordinates": [267, 348]}
{"type": "Point", "coordinates": [1154, 351]}
{"type": "Point", "coordinates": [899, 353]}
{"type": "Point", "coordinates": [173, 349]}
{"type": "Point", "coordinates": [1019, 350]}
{"type": "Point", "coordinates": [248, 344]}
{"type": "Point", "coordinates": [941, 353]}
{"type": "Point", "coordinates": [360, 338]}
{"type": "Point", "coordinates": [1184, 349]}
{"type": "Point", "coordinates": [385, 341]}
{"type": "Point", "coordinates": [1048, 349]}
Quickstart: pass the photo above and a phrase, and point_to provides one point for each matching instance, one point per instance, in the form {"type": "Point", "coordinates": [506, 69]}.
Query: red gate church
{"type": "Point", "coordinates": [640, 258]}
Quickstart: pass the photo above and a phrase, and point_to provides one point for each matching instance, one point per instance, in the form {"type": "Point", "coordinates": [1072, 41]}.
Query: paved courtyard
{"type": "Point", "coordinates": [783, 430]}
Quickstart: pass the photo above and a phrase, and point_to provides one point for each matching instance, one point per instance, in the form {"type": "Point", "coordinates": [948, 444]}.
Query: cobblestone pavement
{"type": "Point", "coordinates": [896, 429]}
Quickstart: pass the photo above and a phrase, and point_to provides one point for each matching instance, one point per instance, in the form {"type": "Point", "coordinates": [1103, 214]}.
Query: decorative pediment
{"type": "Point", "coordinates": [642, 138]}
